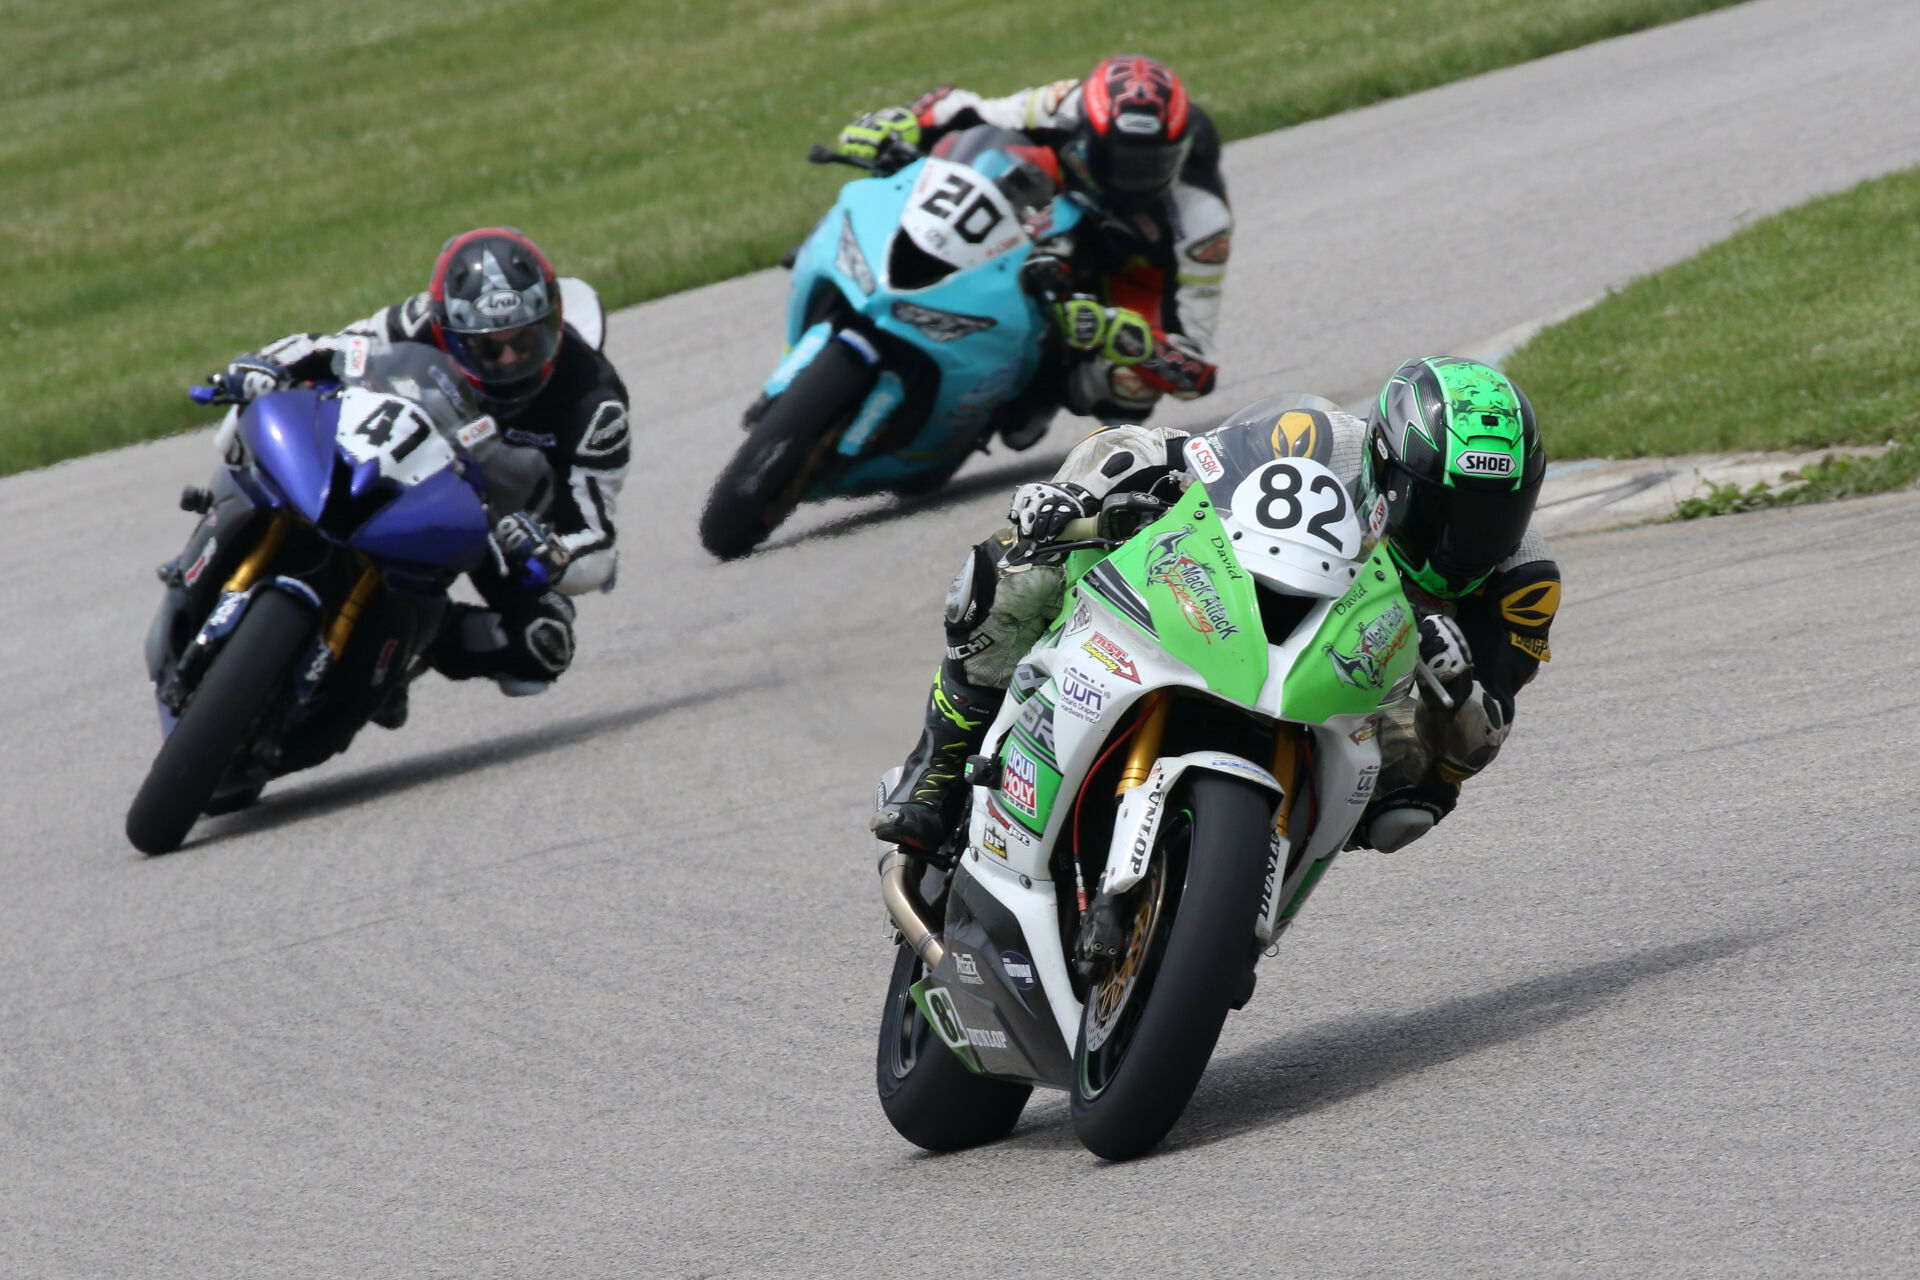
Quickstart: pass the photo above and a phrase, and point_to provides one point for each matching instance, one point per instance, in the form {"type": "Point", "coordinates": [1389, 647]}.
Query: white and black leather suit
{"type": "Point", "coordinates": [578, 426]}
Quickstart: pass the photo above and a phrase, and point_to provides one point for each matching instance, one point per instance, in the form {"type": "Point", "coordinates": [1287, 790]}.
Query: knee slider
{"type": "Point", "coordinates": [972, 592]}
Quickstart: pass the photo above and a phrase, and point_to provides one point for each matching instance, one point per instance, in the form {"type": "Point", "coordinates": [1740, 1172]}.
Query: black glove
{"type": "Point", "coordinates": [1444, 648]}
{"type": "Point", "coordinates": [1042, 509]}
{"type": "Point", "coordinates": [534, 558]}
{"type": "Point", "coordinates": [248, 378]}
{"type": "Point", "coordinates": [1046, 278]}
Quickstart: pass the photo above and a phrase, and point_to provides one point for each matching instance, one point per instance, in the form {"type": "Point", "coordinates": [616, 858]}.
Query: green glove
{"type": "Point", "coordinates": [1119, 335]}
{"type": "Point", "coordinates": [867, 136]}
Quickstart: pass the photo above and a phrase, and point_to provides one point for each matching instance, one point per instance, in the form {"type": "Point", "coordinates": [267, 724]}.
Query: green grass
{"type": "Point", "coordinates": [1800, 332]}
{"type": "Point", "coordinates": [184, 179]}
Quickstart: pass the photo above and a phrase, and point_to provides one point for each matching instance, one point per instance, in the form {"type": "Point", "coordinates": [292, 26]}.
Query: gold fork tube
{"type": "Point", "coordinates": [1145, 748]}
{"type": "Point", "coordinates": [340, 630]}
{"type": "Point", "coordinates": [1286, 770]}
{"type": "Point", "coordinates": [262, 555]}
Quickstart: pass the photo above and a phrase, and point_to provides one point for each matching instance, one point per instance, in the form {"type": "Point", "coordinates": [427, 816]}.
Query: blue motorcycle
{"type": "Point", "coordinates": [317, 575]}
{"type": "Point", "coordinates": [911, 331]}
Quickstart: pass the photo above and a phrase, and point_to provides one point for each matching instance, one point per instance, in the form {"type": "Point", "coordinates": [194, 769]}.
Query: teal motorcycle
{"type": "Point", "coordinates": [909, 325]}
{"type": "Point", "coordinates": [1195, 738]}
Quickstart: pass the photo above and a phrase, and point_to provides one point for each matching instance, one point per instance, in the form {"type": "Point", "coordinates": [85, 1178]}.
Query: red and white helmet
{"type": "Point", "coordinates": [495, 307]}
{"type": "Point", "coordinates": [1133, 136]}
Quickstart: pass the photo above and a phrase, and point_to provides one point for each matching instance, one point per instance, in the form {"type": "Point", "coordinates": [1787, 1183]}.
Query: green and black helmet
{"type": "Point", "coordinates": [1454, 453]}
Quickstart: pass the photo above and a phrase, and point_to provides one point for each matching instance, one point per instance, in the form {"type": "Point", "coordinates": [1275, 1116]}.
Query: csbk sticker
{"type": "Point", "coordinates": [1205, 463]}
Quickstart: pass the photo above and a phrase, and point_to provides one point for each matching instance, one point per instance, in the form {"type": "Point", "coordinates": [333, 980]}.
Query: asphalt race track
{"type": "Point", "coordinates": [587, 985]}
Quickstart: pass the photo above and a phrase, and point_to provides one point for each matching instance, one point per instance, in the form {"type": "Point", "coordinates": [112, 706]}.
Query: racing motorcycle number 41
{"type": "Point", "coordinates": [393, 432]}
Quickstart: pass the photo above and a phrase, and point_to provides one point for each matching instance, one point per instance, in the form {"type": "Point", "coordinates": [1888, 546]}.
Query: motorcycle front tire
{"type": "Point", "coordinates": [1198, 962]}
{"type": "Point", "coordinates": [763, 482]}
{"type": "Point", "coordinates": [930, 1098]}
{"type": "Point", "coordinates": [218, 721]}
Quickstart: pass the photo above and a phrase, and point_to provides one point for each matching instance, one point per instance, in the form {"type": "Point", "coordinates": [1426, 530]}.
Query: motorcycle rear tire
{"type": "Point", "coordinates": [930, 1098]}
{"type": "Point", "coordinates": [221, 717]}
{"type": "Point", "coordinates": [1204, 951]}
{"type": "Point", "coordinates": [762, 483]}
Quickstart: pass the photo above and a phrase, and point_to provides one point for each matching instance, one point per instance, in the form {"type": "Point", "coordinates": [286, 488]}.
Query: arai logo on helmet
{"type": "Point", "coordinates": [501, 302]}
{"type": "Point", "coordinates": [1136, 122]}
{"type": "Point", "coordinates": [1476, 462]}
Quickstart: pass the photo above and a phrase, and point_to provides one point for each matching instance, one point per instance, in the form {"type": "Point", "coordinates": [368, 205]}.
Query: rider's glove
{"type": "Point", "coordinates": [868, 135]}
{"type": "Point", "coordinates": [1444, 648]}
{"type": "Point", "coordinates": [534, 558]}
{"type": "Point", "coordinates": [249, 377]}
{"type": "Point", "coordinates": [1042, 509]}
{"type": "Point", "coordinates": [1119, 335]}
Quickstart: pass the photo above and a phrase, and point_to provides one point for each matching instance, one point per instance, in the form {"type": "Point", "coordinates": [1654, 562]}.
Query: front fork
{"type": "Point", "coordinates": [231, 606]}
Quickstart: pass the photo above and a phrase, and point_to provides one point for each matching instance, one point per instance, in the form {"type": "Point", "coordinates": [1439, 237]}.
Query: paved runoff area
{"type": "Point", "coordinates": [588, 984]}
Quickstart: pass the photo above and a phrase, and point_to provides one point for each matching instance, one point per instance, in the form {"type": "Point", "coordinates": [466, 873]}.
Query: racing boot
{"type": "Point", "coordinates": [920, 810]}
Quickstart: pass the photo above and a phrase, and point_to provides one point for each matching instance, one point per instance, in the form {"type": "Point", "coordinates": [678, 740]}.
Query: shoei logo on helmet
{"type": "Point", "coordinates": [1475, 462]}
{"type": "Point", "coordinates": [1136, 122]}
{"type": "Point", "coordinates": [501, 302]}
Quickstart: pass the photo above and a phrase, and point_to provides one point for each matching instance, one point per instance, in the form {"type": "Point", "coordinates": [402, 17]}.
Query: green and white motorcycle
{"type": "Point", "coordinates": [1194, 736]}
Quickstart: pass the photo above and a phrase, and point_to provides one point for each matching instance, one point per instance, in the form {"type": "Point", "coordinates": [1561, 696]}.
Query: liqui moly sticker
{"type": "Point", "coordinates": [1020, 783]}
{"type": "Point", "coordinates": [1202, 460]}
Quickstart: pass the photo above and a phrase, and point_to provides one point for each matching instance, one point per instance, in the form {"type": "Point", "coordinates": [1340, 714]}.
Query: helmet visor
{"type": "Point", "coordinates": [1458, 532]}
{"type": "Point", "coordinates": [507, 355]}
{"type": "Point", "coordinates": [1140, 169]}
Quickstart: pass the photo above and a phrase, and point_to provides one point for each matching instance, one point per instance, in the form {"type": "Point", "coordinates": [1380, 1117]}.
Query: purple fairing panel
{"type": "Point", "coordinates": [439, 522]}
{"type": "Point", "coordinates": [290, 435]}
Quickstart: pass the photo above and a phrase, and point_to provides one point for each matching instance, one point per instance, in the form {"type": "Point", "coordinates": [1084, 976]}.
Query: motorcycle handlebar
{"type": "Point", "coordinates": [202, 394]}
{"type": "Point", "coordinates": [821, 154]}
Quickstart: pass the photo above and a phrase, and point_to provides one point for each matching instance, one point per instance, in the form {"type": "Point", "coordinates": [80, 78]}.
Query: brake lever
{"type": "Point", "coordinates": [819, 153]}
{"type": "Point", "coordinates": [1433, 685]}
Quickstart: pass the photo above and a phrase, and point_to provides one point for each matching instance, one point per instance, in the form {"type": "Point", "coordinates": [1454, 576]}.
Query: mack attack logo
{"type": "Point", "coordinates": [1191, 585]}
{"type": "Point", "coordinates": [1380, 640]}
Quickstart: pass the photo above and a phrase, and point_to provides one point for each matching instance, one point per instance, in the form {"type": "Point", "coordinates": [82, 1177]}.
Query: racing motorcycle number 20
{"type": "Point", "coordinates": [972, 224]}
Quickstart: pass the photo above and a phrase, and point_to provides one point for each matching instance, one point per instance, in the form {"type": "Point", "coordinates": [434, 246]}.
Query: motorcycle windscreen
{"type": "Point", "coordinates": [289, 435]}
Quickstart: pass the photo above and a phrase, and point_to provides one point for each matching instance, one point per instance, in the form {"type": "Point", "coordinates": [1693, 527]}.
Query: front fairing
{"type": "Point", "coordinates": [289, 437]}
{"type": "Point", "coordinates": [977, 371]}
{"type": "Point", "coordinates": [438, 523]}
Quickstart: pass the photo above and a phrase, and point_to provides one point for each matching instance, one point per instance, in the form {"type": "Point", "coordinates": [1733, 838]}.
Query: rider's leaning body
{"type": "Point", "coordinates": [1143, 163]}
{"type": "Point", "coordinates": [493, 305]}
{"type": "Point", "coordinates": [1478, 575]}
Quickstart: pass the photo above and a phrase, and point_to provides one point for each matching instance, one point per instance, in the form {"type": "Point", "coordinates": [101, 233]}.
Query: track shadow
{"type": "Point", "coordinates": [965, 489]}
{"type": "Point", "coordinates": [1322, 1066]}
{"type": "Point", "coordinates": [317, 799]}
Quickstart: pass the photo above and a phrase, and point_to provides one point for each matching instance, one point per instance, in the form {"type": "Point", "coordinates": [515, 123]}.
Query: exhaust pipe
{"type": "Point", "coordinates": [908, 913]}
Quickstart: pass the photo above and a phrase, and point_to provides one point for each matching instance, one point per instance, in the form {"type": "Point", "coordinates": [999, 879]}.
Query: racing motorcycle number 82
{"type": "Point", "coordinates": [1297, 498]}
